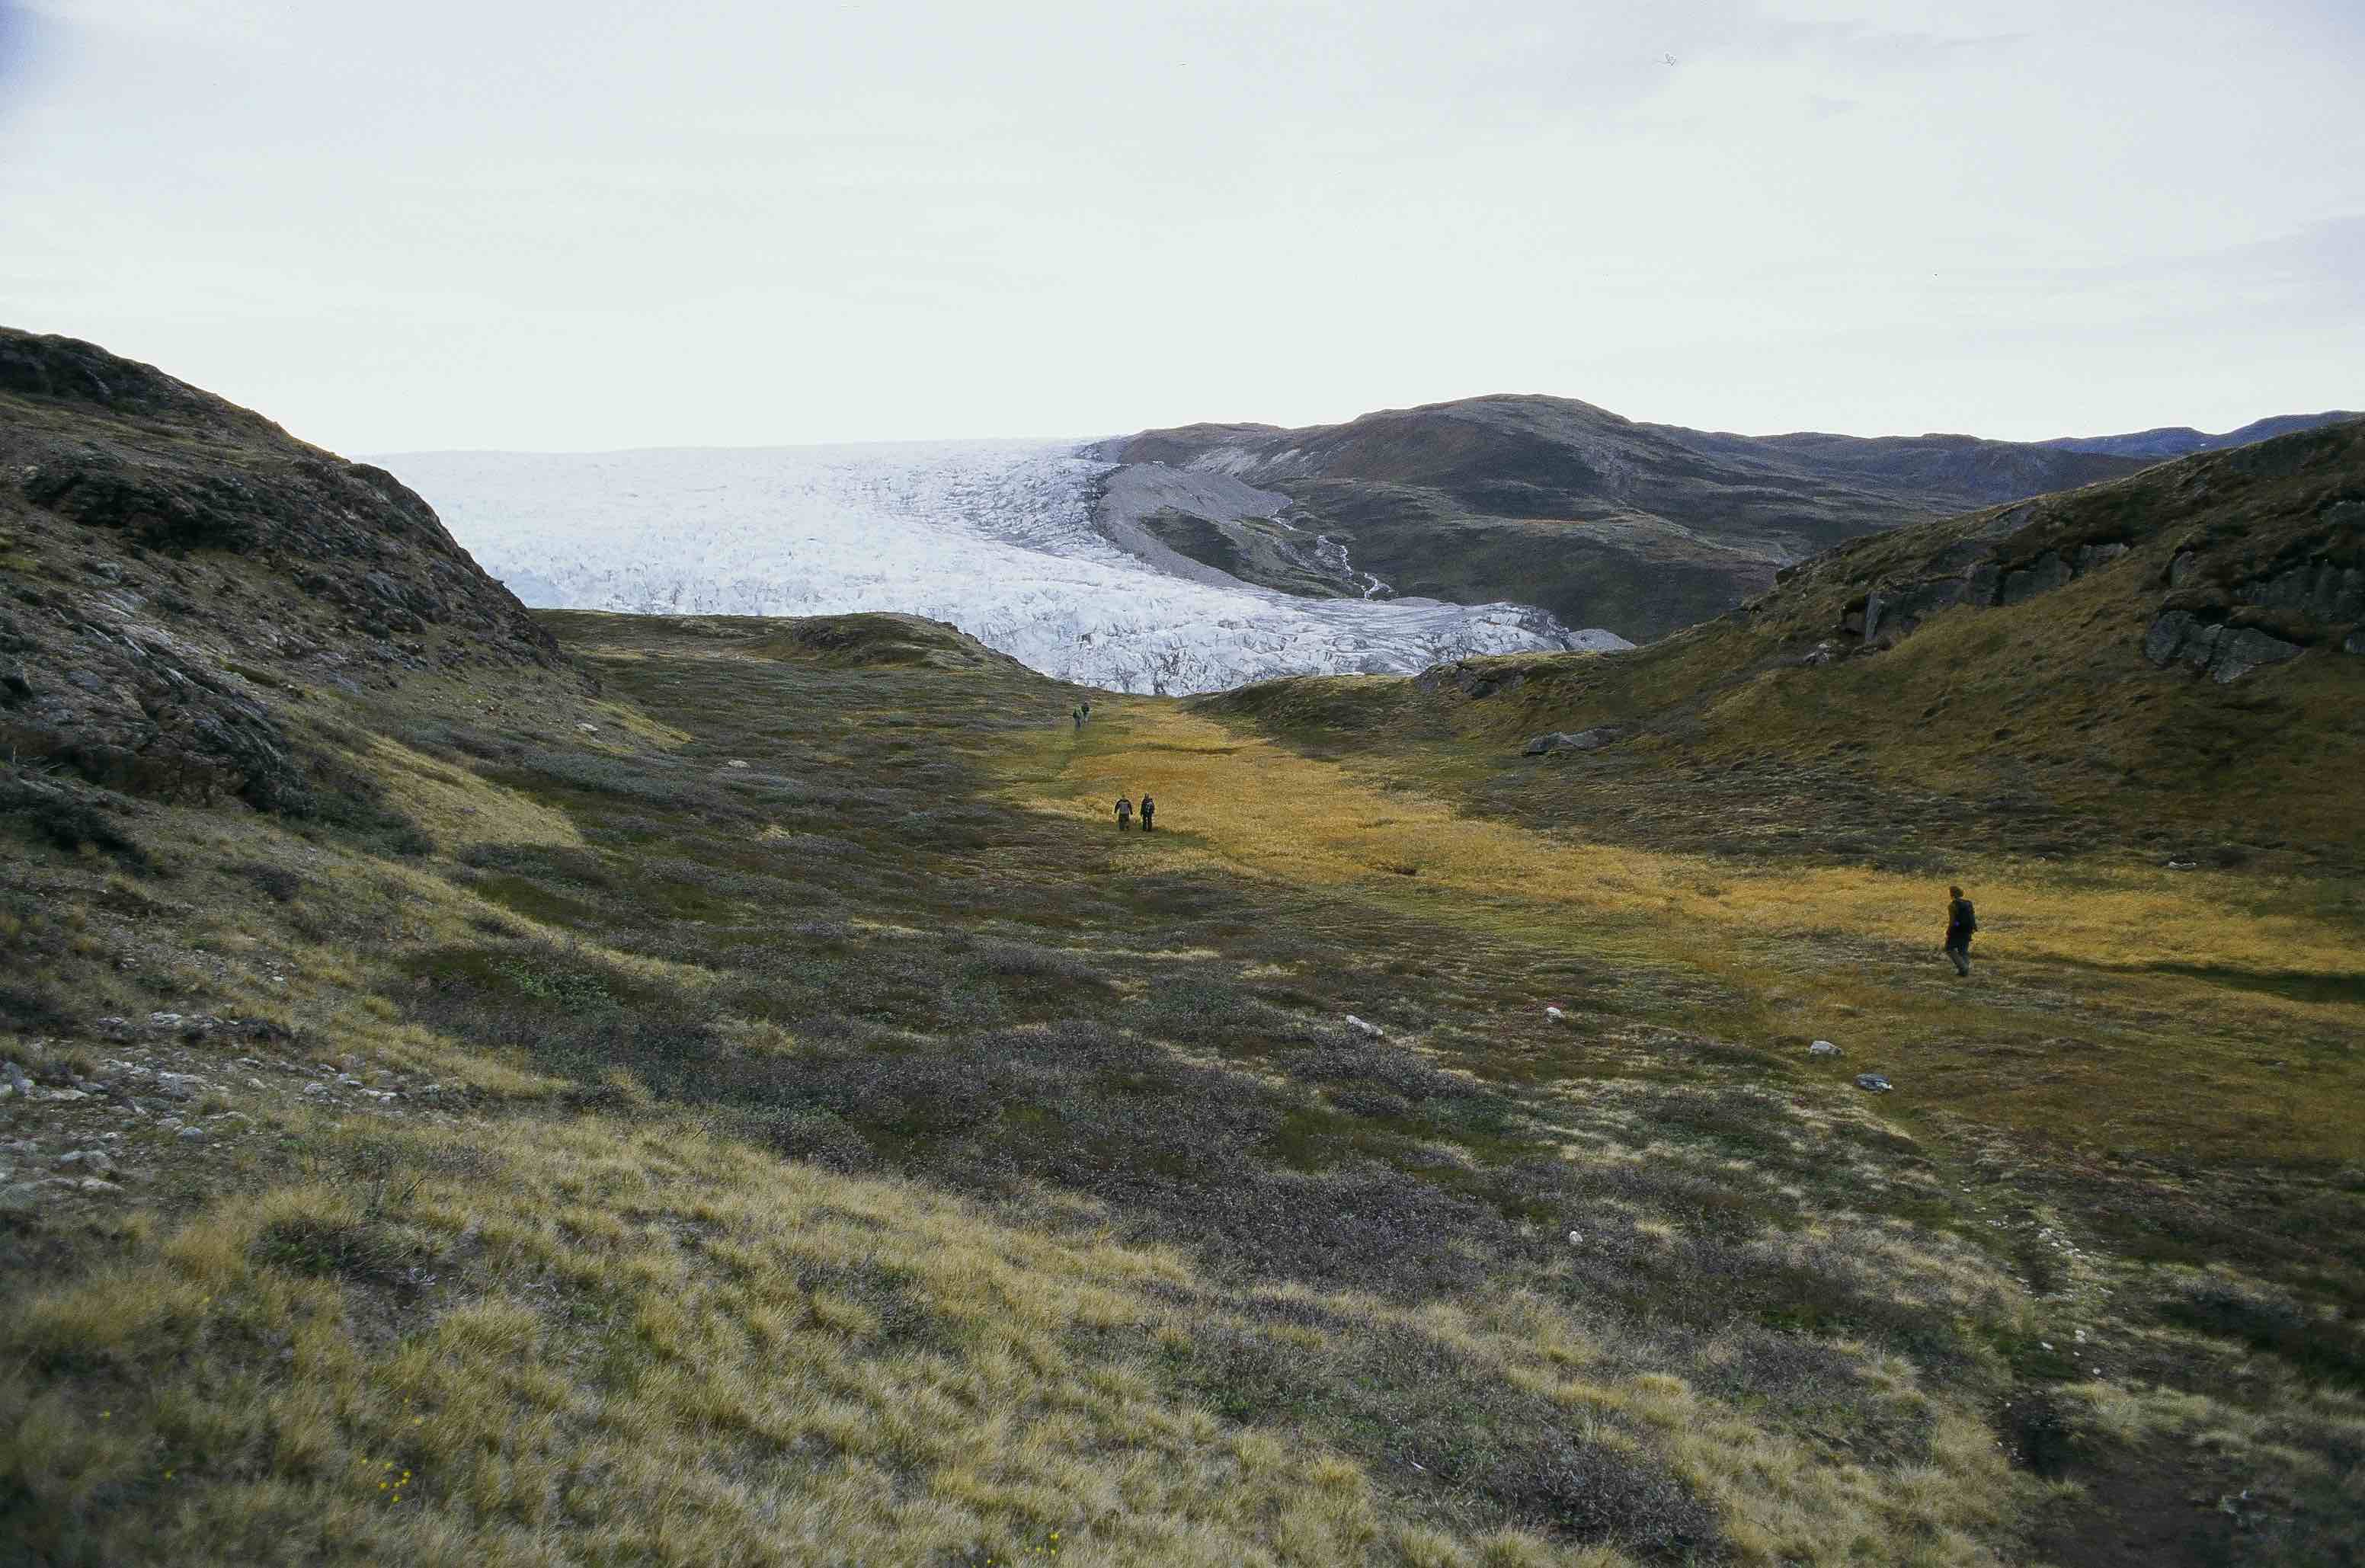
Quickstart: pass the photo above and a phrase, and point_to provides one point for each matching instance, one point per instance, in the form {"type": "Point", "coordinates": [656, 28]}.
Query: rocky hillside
{"type": "Point", "coordinates": [1640, 529]}
{"type": "Point", "coordinates": [2178, 652]}
{"type": "Point", "coordinates": [2183, 441]}
{"type": "Point", "coordinates": [181, 575]}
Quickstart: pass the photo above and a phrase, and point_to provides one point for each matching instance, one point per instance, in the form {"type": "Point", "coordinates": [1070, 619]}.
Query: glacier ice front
{"type": "Point", "coordinates": [997, 538]}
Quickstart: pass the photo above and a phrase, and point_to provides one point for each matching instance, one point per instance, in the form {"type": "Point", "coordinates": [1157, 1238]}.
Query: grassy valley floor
{"type": "Point", "coordinates": [784, 1122]}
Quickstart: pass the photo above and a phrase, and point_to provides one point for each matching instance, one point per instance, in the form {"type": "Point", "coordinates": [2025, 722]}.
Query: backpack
{"type": "Point", "coordinates": [1970, 917]}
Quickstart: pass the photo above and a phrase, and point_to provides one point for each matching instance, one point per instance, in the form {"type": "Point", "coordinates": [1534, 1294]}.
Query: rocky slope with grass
{"type": "Point", "coordinates": [1604, 521]}
{"type": "Point", "coordinates": [2174, 659]}
{"type": "Point", "coordinates": [179, 571]}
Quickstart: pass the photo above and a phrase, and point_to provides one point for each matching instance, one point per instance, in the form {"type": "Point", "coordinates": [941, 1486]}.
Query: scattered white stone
{"type": "Point", "coordinates": [256, 1083]}
{"type": "Point", "coordinates": [1575, 1238]}
{"type": "Point", "coordinates": [1355, 1023]}
{"type": "Point", "coordinates": [191, 1134]}
{"type": "Point", "coordinates": [586, 729]}
{"type": "Point", "coordinates": [315, 1089]}
{"type": "Point", "coordinates": [735, 762]}
{"type": "Point", "coordinates": [1554, 1013]}
{"type": "Point", "coordinates": [1824, 1049]}
{"type": "Point", "coordinates": [1873, 1082]}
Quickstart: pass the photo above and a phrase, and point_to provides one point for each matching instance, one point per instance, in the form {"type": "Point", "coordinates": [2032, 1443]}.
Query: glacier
{"type": "Point", "coordinates": [998, 538]}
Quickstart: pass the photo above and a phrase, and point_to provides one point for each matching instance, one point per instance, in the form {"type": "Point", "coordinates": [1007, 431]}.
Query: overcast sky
{"type": "Point", "coordinates": [534, 224]}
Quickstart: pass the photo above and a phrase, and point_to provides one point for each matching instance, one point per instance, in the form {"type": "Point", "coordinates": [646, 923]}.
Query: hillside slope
{"type": "Point", "coordinates": [2173, 658]}
{"type": "Point", "coordinates": [179, 571]}
{"type": "Point", "coordinates": [1604, 521]}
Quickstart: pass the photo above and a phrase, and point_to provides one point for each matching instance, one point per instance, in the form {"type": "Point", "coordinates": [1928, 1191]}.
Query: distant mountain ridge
{"type": "Point", "coordinates": [2182, 441]}
{"type": "Point", "coordinates": [1600, 519]}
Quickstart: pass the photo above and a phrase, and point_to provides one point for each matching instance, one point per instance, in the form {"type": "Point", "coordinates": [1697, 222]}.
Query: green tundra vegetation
{"type": "Point", "coordinates": [765, 1111]}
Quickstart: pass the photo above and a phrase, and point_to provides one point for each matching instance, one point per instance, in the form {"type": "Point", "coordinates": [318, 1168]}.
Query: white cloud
{"type": "Point", "coordinates": [618, 223]}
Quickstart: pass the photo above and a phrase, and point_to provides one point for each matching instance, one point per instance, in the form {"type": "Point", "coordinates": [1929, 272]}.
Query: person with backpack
{"type": "Point", "coordinates": [1124, 813]}
{"type": "Point", "coordinates": [1077, 713]}
{"type": "Point", "coordinates": [1148, 809]}
{"type": "Point", "coordinates": [1962, 921]}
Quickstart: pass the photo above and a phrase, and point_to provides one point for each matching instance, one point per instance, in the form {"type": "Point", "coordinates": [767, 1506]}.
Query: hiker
{"type": "Point", "coordinates": [1148, 809]}
{"type": "Point", "coordinates": [1088, 707]}
{"type": "Point", "coordinates": [1124, 813]}
{"type": "Point", "coordinates": [1961, 921]}
{"type": "Point", "coordinates": [1077, 713]}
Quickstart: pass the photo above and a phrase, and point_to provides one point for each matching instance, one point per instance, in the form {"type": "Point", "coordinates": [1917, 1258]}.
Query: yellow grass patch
{"type": "Point", "coordinates": [457, 807]}
{"type": "Point", "coordinates": [1835, 949]}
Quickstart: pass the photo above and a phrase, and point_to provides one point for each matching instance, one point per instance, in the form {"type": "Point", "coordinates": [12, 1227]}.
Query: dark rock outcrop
{"type": "Point", "coordinates": [2240, 597]}
{"type": "Point", "coordinates": [1475, 681]}
{"type": "Point", "coordinates": [2226, 652]}
{"type": "Point", "coordinates": [177, 569]}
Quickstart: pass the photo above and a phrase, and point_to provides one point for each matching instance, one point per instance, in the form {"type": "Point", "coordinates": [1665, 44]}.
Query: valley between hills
{"type": "Point", "coordinates": [493, 1087]}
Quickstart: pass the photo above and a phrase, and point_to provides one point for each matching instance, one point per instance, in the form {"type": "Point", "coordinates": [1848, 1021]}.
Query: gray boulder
{"type": "Point", "coordinates": [2246, 648]}
{"type": "Point", "coordinates": [2228, 653]}
{"type": "Point", "coordinates": [1560, 740]}
{"type": "Point", "coordinates": [2044, 574]}
{"type": "Point", "coordinates": [2179, 636]}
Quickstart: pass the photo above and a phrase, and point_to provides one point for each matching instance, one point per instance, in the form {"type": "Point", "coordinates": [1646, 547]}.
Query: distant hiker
{"type": "Point", "coordinates": [1148, 809]}
{"type": "Point", "coordinates": [1961, 922]}
{"type": "Point", "coordinates": [1077, 713]}
{"type": "Point", "coordinates": [1124, 813]}
{"type": "Point", "coordinates": [1088, 707]}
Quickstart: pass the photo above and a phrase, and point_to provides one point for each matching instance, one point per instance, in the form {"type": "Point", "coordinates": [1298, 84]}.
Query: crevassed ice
{"type": "Point", "coordinates": [996, 538]}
